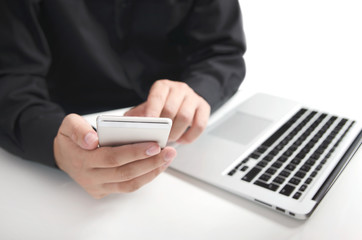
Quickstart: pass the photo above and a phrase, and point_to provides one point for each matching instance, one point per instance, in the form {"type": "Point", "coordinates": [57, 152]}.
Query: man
{"type": "Point", "coordinates": [62, 58]}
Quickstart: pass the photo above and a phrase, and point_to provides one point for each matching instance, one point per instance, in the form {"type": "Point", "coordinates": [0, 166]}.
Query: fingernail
{"type": "Point", "coordinates": [169, 156]}
{"type": "Point", "coordinates": [153, 150]}
{"type": "Point", "coordinates": [90, 138]}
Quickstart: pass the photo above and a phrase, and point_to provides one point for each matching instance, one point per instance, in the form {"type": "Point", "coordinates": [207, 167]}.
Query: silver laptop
{"type": "Point", "coordinates": [273, 151]}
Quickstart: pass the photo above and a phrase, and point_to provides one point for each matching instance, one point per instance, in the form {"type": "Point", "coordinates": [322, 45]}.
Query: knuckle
{"type": "Point", "coordinates": [110, 158]}
{"type": "Point", "coordinates": [75, 127]}
{"type": "Point", "coordinates": [157, 97]}
{"type": "Point", "coordinates": [200, 125]}
{"type": "Point", "coordinates": [183, 86]}
{"type": "Point", "coordinates": [86, 182]}
{"type": "Point", "coordinates": [187, 140]}
{"type": "Point", "coordinates": [161, 83]}
{"type": "Point", "coordinates": [165, 81]}
{"type": "Point", "coordinates": [132, 186]}
{"type": "Point", "coordinates": [134, 151]}
{"type": "Point", "coordinates": [70, 119]}
{"type": "Point", "coordinates": [168, 110]}
{"type": "Point", "coordinates": [123, 175]}
{"type": "Point", "coordinates": [185, 117]}
{"type": "Point", "coordinates": [205, 104]}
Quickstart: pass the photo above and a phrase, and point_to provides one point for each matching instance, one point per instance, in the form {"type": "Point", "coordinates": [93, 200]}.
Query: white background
{"type": "Point", "coordinates": [309, 50]}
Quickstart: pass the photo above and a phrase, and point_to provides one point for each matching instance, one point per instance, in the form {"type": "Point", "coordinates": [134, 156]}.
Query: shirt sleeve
{"type": "Point", "coordinates": [29, 120]}
{"type": "Point", "coordinates": [214, 43]}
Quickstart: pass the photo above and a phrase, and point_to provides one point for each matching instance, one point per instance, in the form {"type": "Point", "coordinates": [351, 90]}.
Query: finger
{"type": "Point", "coordinates": [173, 103]}
{"type": "Point", "coordinates": [137, 111]}
{"type": "Point", "coordinates": [109, 157]}
{"type": "Point", "coordinates": [135, 169]}
{"type": "Point", "coordinates": [198, 126]}
{"type": "Point", "coordinates": [134, 184]}
{"type": "Point", "coordinates": [80, 131]}
{"type": "Point", "coordinates": [157, 98]}
{"type": "Point", "coordinates": [183, 119]}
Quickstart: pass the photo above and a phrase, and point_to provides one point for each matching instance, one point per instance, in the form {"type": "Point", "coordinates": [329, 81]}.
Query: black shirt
{"type": "Point", "coordinates": [82, 56]}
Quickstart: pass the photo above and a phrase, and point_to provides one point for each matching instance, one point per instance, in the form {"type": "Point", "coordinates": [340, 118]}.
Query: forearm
{"type": "Point", "coordinates": [29, 119]}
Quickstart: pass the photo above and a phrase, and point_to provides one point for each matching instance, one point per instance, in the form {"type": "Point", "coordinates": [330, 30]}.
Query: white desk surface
{"type": "Point", "coordinates": [308, 51]}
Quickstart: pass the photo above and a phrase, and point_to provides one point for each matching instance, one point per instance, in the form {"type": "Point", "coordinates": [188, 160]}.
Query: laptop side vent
{"type": "Point", "coordinates": [280, 209]}
{"type": "Point", "coordinates": [266, 204]}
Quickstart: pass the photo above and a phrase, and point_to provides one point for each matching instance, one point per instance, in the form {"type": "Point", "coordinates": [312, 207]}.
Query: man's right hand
{"type": "Point", "coordinates": [105, 170]}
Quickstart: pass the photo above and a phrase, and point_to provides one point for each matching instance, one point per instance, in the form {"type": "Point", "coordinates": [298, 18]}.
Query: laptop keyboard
{"type": "Point", "coordinates": [289, 160]}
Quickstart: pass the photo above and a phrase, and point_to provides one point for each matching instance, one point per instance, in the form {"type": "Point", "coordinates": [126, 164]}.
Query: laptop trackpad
{"type": "Point", "coordinates": [241, 128]}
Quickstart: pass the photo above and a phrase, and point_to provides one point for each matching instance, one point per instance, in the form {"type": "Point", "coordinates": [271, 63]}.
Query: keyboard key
{"type": "Point", "coordinates": [308, 181]}
{"type": "Point", "coordinates": [270, 186]}
{"type": "Point", "coordinates": [244, 168]}
{"type": "Point", "coordinates": [265, 177]}
{"type": "Point", "coordinates": [262, 164]}
{"type": "Point", "coordinates": [261, 149]}
{"type": "Point", "coordinates": [300, 174]}
{"type": "Point", "coordinates": [319, 167]}
{"type": "Point", "coordinates": [315, 155]}
{"type": "Point", "coordinates": [303, 188]}
{"type": "Point", "coordinates": [305, 168]}
{"type": "Point", "coordinates": [251, 174]}
{"type": "Point", "coordinates": [296, 161]}
{"type": "Point", "coordinates": [277, 164]}
{"type": "Point", "coordinates": [290, 167]}
{"type": "Point", "coordinates": [288, 153]}
{"type": "Point", "coordinates": [254, 155]}
{"type": "Point", "coordinates": [268, 157]}
{"type": "Point", "coordinates": [232, 172]}
{"type": "Point", "coordinates": [287, 190]}
{"type": "Point", "coordinates": [294, 181]}
{"type": "Point", "coordinates": [320, 150]}
{"type": "Point", "coordinates": [301, 155]}
{"type": "Point", "coordinates": [313, 174]}
{"type": "Point", "coordinates": [279, 147]}
{"type": "Point", "coordinates": [284, 173]}
{"type": "Point", "coordinates": [278, 180]}
{"type": "Point", "coordinates": [245, 160]}
{"type": "Point", "coordinates": [297, 195]}
{"type": "Point", "coordinates": [282, 159]}
{"type": "Point", "coordinates": [271, 171]}
{"type": "Point", "coordinates": [310, 162]}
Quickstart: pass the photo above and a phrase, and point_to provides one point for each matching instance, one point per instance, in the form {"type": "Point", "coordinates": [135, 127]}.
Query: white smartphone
{"type": "Point", "coordinates": [120, 130]}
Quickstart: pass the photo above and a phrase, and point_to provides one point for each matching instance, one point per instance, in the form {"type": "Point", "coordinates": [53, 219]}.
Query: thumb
{"type": "Point", "coordinates": [79, 131]}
